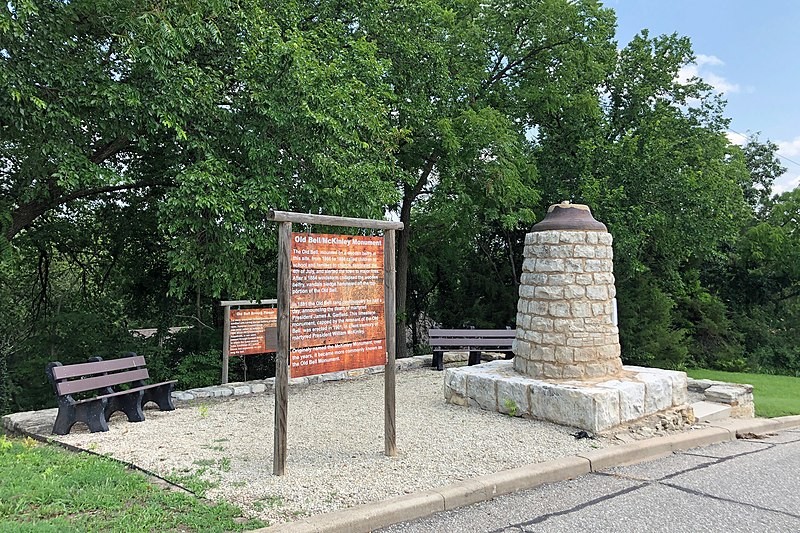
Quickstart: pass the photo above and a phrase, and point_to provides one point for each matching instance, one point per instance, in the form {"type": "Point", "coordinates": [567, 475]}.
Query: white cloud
{"type": "Point", "coordinates": [703, 67]}
{"type": "Point", "coordinates": [789, 181]}
{"type": "Point", "coordinates": [790, 152]}
{"type": "Point", "coordinates": [720, 84]}
{"type": "Point", "coordinates": [703, 60]}
{"type": "Point", "coordinates": [736, 138]}
{"type": "Point", "coordinates": [789, 148]}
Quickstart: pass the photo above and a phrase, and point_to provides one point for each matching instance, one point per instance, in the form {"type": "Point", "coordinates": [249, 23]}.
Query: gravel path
{"type": "Point", "coordinates": [335, 451]}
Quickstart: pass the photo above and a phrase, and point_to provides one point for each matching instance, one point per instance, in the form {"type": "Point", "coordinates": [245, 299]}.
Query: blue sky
{"type": "Point", "coordinates": [747, 49]}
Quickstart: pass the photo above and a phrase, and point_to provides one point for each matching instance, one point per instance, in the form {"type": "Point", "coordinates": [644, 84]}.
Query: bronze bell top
{"type": "Point", "coordinates": [569, 217]}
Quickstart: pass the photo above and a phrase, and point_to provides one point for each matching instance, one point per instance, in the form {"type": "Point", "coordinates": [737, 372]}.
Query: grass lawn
{"type": "Point", "coordinates": [44, 488]}
{"type": "Point", "coordinates": [773, 395]}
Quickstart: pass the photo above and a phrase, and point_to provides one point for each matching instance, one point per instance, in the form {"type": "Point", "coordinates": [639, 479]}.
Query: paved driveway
{"type": "Point", "coordinates": [748, 485]}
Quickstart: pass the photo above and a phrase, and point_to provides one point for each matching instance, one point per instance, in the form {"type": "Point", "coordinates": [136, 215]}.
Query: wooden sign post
{"type": "Point", "coordinates": [336, 310]}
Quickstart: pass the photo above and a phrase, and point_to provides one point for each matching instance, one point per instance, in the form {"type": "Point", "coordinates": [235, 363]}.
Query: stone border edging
{"type": "Point", "coordinates": [367, 517]}
{"type": "Point", "coordinates": [241, 388]}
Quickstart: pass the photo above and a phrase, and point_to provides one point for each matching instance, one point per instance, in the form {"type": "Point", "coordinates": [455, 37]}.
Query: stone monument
{"type": "Point", "coordinates": [567, 367]}
{"type": "Point", "coordinates": [565, 313]}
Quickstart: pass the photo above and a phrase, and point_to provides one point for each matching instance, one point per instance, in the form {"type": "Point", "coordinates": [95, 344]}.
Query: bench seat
{"type": "Point", "coordinates": [475, 341]}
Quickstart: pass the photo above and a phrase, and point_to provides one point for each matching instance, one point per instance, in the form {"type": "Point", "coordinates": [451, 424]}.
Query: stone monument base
{"type": "Point", "coordinates": [591, 405]}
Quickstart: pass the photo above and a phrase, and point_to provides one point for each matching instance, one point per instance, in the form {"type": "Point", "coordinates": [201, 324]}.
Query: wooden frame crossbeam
{"type": "Point", "coordinates": [326, 220]}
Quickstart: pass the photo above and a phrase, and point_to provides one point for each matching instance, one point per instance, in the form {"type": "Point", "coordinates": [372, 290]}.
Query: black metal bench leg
{"type": "Point", "coordinates": [91, 413]}
{"type": "Point", "coordinates": [130, 404]}
{"type": "Point", "coordinates": [161, 395]}
{"type": "Point", "coordinates": [64, 420]}
{"type": "Point", "coordinates": [474, 358]}
{"type": "Point", "coordinates": [95, 417]}
{"type": "Point", "coordinates": [438, 360]}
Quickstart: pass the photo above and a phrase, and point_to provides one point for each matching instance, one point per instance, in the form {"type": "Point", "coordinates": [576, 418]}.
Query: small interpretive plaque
{"type": "Point", "coordinates": [247, 330]}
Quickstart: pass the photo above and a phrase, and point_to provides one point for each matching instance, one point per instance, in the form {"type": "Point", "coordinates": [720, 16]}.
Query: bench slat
{"type": "Point", "coordinates": [472, 333]}
{"type": "Point", "coordinates": [99, 367]}
{"type": "Point", "coordinates": [474, 343]}
{"type": "Point", "coordinates": [98, 382]}
{"type": "Point", "coordinates": [128, 391]}
{"type": "Point", "coordinates": [473, 339]}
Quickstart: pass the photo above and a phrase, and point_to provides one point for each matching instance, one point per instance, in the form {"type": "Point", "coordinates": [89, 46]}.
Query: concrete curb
{"type": "Point", "coordinates": [365, 518]}
{"type": "Point", "coordinates": [654, 448]}
{"type": "Point", "coordinates": [758, 425]}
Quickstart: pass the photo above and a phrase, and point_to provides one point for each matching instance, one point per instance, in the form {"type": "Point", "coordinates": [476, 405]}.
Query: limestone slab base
{"type": "Point", "coordinates": [594, 406]}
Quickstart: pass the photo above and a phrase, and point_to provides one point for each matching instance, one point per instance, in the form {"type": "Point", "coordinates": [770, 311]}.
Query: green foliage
{"type": "Point", "coordinates": [47, 489]}
{"type": "Point", "coordinates": [663, 177]}
{"type": "Point", "coordinates": [198, 362]}
{"type": "Point", "coordinates": [760, 280]}
{"type": "Point", "coordinates": [51, 313]}
{"type": "Point", "coordinates": [714, 343]}
{"type": "Point", "coordinates": [493, 72]}
{"type": "Point", "coordinates": [214, 114]}
{"type": "Point", "coordinates": [771, 338]}
{"type": "Point", "coordinates": [764, 167]}
{"type": "Point", "coordinates": [510, 407]}
{"type": "Point", "coordinates": [466, 269]}
{"type": "Point", "coordinates": [648, 333]}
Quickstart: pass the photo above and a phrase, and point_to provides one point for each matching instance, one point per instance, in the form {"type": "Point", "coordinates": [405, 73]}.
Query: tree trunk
{"type": "Point", "coordinates": [402, 272]}
{"type": "Point", "coordinates": [410, 194]}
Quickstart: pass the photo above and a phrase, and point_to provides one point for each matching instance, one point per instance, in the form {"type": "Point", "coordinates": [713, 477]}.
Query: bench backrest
{"type": "Point", "coordinates": [82, 377]}
{"type": "Point", "coordinates": [471, 337]}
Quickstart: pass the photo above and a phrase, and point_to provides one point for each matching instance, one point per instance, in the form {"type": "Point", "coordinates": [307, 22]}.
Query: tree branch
{"type": "Point", "coordinates": [110, 148]}
{"type": "Point", "coordinates": [512, 65]}
{"type": "Point", "coordinates": [23, 216]}
{"type": "Point", "coordinates": [196, 320]}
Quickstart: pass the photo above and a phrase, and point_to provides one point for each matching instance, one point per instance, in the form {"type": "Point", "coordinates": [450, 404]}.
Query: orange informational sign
{"type": "Point", "coordinates": [336, 252]}
{"type": "Point", "coordinates": [325, 326]}
{"type": "Point", "coordinates": [358, 354]}
{"type": "Point", "coordinates": [337, 307]}
{"type": "Point", "coordinates": [247, 330]}
{"type": "Point", "coordinates": [312, 287]}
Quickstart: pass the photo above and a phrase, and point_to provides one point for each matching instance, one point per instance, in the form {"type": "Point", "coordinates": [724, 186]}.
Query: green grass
{"type": "Point", "coordinates": [773, 395]}
{"type": "Point", "coordinates": [44, 488]}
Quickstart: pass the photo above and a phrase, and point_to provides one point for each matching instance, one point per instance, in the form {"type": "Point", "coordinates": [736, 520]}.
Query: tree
{"type": "Point", "coordinates": [469, 81]}
{"type": "Point", "coordinates": [226, 108]}
{"type": "Point", "coordinates": [762, 283]}
{"type": "Point", "coordinates": [655, 165]}
{"type": "Point", "coordinates": [763, 169]}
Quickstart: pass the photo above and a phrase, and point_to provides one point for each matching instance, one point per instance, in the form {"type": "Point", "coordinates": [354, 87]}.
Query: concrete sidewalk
{"type": "Point", "coordinates": [413, 506]}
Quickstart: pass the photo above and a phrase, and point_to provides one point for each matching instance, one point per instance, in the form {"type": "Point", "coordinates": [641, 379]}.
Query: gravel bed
{"type": "Point", "coordinates": [335, 445]}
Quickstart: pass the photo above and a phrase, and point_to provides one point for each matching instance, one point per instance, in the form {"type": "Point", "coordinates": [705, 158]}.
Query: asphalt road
{"type": "Point", "coordinates": [748, 485]}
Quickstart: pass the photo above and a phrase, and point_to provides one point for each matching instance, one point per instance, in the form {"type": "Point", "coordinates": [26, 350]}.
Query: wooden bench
{"type": "Point", "coordinates": [99, 383]}
{"type": "Point", "coordinates": [473, 340]}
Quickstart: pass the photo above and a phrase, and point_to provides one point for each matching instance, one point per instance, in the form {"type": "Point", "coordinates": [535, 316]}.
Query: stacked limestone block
{"type": "Point", "coordinates": [594, 406]}
{"type": "Point", "coordinates": [565, 312]}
